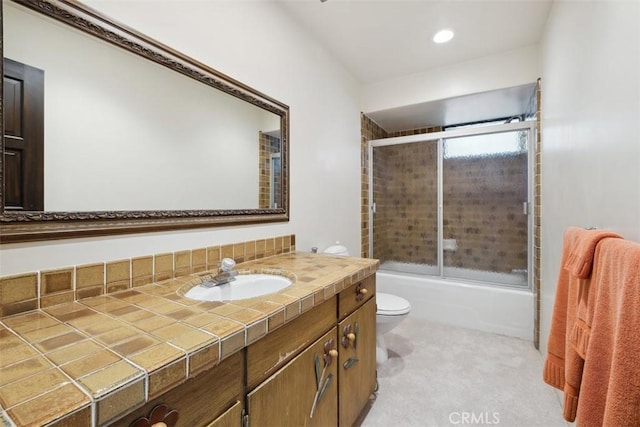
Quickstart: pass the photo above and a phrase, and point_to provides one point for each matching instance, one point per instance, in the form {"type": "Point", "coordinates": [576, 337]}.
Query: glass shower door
{"type": "Point", "coordinates": [484, 215]}
{"type": "Point", "coordinates": [405, 209]}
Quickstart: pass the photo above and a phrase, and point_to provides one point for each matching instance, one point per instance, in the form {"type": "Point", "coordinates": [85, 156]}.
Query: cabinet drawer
{"type": "Point", "coordinates": [268, 354]}
{"type": "Point", "coordinates": [356, 295]}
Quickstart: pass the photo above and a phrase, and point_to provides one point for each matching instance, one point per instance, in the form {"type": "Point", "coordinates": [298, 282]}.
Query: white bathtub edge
{"type": "Point", "coordinates": [504, 311]}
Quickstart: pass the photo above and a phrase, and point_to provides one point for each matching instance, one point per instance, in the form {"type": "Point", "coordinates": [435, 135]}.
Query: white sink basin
{"type": "Point", "coordinates": [244, 286]}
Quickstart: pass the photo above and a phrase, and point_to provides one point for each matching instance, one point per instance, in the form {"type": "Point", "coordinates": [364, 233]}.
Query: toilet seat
{"type": "Point", "coordinates": [391, 305]}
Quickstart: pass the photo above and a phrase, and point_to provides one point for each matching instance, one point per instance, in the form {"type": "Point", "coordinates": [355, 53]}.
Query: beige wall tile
{"type": "Point", "coordinates": [18, 307]}
{"type": "Point", "coordinates": [182, 259]}
{"type": "Point", "coordinates": [17, 289]}
{"type": "Point", "coordinates": [52, 281]}
{"type": "Point", "coordinates": [260, 248]}
{"type": "Point", "coordinates": [141, 270]}
{"type": "Point", "coordinates": [121, 401]}
{"type": "Point", "coordinates": [166, 378]}
{"type": "Point", "coordinates": [214, 255]}
{"type": "Point", "coordinates": [162, 267]}
{"type": "Point", "coordinates": [231, 344]}
{"type": "Point", "coordinates": [238, 252]}
{"type": "Point", "coordinates": [255, 331]}
{"type": "Point", "coordinates": [250, 250]}
{"type": "Point", "coordinates": [89, 275]}
{"type": "Point", "coordinates": [118, 271]}
{"type": "Point", "coordinates": [199, 260]}
{"type": "Point", "coordinates": [278, 245]}
{"type": "Point", "coordinates": [56, 299]}
{"type": "Point", "coordinates": [226, 251]}
{"type": "Point", "coordinates": [204, 358]}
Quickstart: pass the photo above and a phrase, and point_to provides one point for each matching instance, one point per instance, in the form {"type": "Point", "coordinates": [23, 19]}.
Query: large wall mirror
{"type": "Point", "coordinates": [106, 131]}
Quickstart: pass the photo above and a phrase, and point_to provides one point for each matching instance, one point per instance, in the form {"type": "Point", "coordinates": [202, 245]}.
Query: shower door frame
{"type": "Point", "coordinates": [438, 138]}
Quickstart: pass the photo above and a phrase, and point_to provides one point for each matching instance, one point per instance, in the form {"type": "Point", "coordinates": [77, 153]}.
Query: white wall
{"type": "Point", "coordinates": [504, 70]}
{"type": "Point", "coordinates": [590, 128]}
{"type": "Point", "coordinates": [256, 43]}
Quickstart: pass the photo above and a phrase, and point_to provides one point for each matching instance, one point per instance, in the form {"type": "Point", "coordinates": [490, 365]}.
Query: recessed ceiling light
{"type": "Point", "coordinates": [443, 36]}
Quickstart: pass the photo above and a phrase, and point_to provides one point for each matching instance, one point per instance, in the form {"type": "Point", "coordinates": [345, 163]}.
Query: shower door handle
{"type": "Point", "coordinates": [525, 208]}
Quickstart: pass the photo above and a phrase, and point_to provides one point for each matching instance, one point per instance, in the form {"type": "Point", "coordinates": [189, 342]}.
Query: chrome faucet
{"type": "Point", "coordinates": [227, 274]}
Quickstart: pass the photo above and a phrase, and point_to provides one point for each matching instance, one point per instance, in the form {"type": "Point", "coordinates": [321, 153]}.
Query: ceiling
{"type": "Point", "coordinates": [495, 104]}
{"type": "Point", "coordinates": [378, 40]}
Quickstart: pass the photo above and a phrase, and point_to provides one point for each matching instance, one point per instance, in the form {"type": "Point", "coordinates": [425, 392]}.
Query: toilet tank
{"type": "Point", "coordinates": [337, 249]}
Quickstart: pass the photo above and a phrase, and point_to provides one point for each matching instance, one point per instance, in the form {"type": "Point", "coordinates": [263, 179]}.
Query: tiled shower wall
{"type": "Point", "coordinates": [406, 196]}
{"type": "Point", "coordinates": [483, 199]}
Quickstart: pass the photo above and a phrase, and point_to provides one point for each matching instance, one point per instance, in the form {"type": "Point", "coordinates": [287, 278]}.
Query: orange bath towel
{"type": "Point", "coordinates": [610, 389]}
{"type": "Point", "coordinates": [563, 365]}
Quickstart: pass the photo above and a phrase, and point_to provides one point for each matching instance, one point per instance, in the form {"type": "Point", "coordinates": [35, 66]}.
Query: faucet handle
{"type": "Point", "coordinates": [227, 264]}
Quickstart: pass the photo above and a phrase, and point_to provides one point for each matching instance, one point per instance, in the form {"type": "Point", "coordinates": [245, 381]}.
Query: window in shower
{"type": "Point", "coordinates": [454, 204]}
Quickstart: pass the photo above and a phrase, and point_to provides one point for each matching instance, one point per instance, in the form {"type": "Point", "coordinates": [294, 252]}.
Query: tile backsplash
{"type": "Point", "coordinates": [39, 289]}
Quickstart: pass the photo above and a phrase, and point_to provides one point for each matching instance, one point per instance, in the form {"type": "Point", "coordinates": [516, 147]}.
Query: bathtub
{"type": "Point", "coordinates": [495, 309]}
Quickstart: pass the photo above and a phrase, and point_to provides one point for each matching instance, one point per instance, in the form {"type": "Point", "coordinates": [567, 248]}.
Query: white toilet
{"type": "Point", "coordinates": [391, 310]}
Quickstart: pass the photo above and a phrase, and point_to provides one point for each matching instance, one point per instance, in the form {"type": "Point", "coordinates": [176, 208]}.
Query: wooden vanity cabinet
{"type": "Point", "coordinates": [356, 361]}
{"type": "Point", "coordinates": [282, 395]}
{"type": "Point", "coordinates": [303, 393]}
{"type": "Point", "coordinates": [231, 418]}
{"type": "Point", "coordinates": [203, 398]}
{"type": "Point", "coordinates": [324, 359]}
{"type": "Point", "coordinates": [270, 353]}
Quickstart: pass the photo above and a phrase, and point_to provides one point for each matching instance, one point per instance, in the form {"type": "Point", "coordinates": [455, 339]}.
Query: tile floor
{"type": "Point", "coordinates": [440, 375]}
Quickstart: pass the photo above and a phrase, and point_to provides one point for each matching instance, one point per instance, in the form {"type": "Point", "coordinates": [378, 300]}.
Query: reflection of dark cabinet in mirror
{"type": "Point", "coordinates": [23, 130]}
{"type": "Point", "coordinates": [35, 224]}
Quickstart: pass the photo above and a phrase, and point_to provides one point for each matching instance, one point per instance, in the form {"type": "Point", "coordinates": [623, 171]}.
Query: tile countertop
{"type": "Point", "coordinates": [99, 358]}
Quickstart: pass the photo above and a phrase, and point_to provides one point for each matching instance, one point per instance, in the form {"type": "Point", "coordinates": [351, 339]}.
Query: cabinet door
{"type": "Point", "coordinates": [231, 418]}
{"type": "Point", "coordinates": [357, 361]}
{"type": "Point", "coordinates": [305, 384]}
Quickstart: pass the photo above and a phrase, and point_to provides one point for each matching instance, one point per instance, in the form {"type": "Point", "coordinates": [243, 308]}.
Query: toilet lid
{"type": "Point", "coordinates": [391, 305]}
